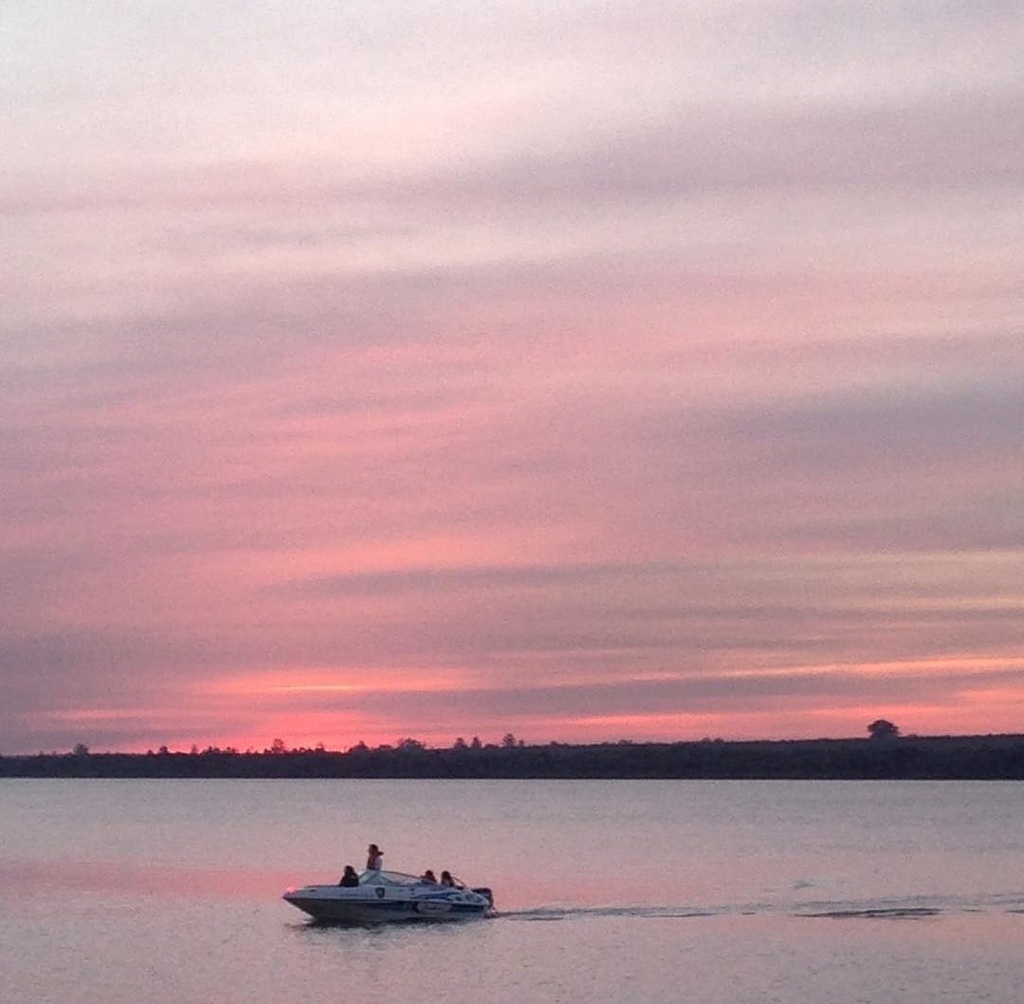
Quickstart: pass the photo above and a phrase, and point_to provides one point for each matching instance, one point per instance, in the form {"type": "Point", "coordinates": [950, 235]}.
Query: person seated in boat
{"type": "Point", "coordinates": [428, 877]}
{"type": "Point", "coordinates": [349, 878]}
{"type": "Point", "coordinates": [374, 858]}
{"type": "Point", "coordinates": [446, 878]}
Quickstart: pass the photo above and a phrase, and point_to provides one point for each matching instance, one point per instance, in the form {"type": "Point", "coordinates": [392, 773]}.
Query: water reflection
{"type": "Point", "coordinates": [123, 877]}
{"type": "Point", "coordinates": [748, 891]}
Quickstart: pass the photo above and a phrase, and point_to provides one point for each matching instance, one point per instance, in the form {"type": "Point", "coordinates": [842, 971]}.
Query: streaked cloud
{"type": "Point", "coordinates": [584, 373]}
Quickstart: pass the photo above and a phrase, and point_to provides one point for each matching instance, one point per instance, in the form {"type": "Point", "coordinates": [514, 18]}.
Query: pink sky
{"type": "Point", "coordinates": [584, 371]}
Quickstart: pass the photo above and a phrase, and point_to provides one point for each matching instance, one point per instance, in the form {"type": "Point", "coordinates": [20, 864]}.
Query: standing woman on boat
{"type": "Point", "coordinates": [374, 858]}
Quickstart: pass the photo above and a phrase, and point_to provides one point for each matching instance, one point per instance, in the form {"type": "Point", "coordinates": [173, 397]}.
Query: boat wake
{"type": "Point", "coordinates": [547, 913]}
{"type": "Point", "coordinates": [915, 908]}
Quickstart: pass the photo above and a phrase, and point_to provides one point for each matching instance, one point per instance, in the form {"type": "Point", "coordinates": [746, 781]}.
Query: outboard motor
{"type": "Point", "coordinates": [484, 891]}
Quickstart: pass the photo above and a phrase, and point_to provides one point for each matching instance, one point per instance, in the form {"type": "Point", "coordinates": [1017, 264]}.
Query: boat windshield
{"type": "Point", "coordinates": [387, 878]}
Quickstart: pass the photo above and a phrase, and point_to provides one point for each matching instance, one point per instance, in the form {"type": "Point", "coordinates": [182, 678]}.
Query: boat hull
{"type": "Point", "coordinates": [338, 905]}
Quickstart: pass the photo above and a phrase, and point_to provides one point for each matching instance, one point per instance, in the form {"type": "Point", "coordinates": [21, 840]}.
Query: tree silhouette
{"type": "Point", "coordinates": [883, 729]}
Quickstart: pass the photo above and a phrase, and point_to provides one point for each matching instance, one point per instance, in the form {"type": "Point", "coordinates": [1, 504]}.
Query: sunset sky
{"type": "Point", "coordinates": [581, 370]}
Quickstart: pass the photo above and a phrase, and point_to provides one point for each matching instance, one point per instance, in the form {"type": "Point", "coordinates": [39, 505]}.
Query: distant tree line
{"type": "Point", "coordinates": [884, 754]}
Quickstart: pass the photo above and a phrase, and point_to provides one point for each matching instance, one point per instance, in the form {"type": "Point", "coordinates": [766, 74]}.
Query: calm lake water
{"type": "Point", "coordinates": [168, 892]}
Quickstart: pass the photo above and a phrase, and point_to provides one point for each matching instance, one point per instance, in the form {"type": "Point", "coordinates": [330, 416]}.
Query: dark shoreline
{"type": "Point", "coordinates": [991, 757]}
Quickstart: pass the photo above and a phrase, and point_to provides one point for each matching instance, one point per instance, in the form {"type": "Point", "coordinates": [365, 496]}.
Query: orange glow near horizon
{"type": "Point", "coordinates": [339, 708]}
{"type": "Point", "coordinates": [980, 712]}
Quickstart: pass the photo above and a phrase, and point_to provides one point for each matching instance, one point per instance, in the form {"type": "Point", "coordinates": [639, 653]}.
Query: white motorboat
{"type": "Point", "coordinates": [385, 896]}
